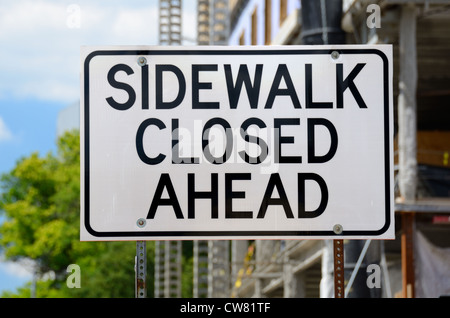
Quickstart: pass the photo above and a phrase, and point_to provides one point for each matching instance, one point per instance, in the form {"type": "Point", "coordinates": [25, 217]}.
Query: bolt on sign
{"type": "Point", "coordinates": [291, 142]}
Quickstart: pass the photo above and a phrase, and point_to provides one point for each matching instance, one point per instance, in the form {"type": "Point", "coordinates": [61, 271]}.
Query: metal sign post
{"type": "Point", "coordinates": [141, 269]}
{"type": "Point", "coordinates": [338, 252]}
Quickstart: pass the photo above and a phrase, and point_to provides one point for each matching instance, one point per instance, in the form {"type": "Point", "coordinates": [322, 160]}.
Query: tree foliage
{"type": "Point", "coordinates": [40, 203]}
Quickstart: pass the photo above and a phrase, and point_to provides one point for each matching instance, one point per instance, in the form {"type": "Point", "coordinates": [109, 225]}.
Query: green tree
{"type": "Point", "coordinates": [40, 203]}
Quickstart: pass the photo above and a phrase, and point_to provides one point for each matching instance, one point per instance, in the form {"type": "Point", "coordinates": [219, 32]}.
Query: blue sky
{"type": "Point", "coordinates": [40, 69]}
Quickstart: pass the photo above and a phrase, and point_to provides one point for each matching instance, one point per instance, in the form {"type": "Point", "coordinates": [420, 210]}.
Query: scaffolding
{"type": "Point", "coordinates": [168, 253]}
{"type": "Point", "coordinates": [213, 22]}
{"type": "Point", "coordinates": [212, 258]}
{"type": "Point", "coordinates": [218, 269]}
{"type": "Point", "coordinates": [203, 22]}
{"type": "Point", "coordinates": [200, 269]}
{"type": "Point", "coordinates": [168, 269]}
{"type": "Point", "coordinates": [170, 22]}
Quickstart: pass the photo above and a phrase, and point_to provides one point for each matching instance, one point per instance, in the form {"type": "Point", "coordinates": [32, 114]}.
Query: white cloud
{"type": "Point", "coordinates": [32, 35]}
{"type": "Point", "coordinates": [136, 25]}
{"type": "Point", "coordinates": [19, 270]}
{"type": "Point", "coordinates": [5, 133]}
{"type": "Point", "coordinates": [26, 16]}
{"type": "Point", "coordinates": [40, 56]}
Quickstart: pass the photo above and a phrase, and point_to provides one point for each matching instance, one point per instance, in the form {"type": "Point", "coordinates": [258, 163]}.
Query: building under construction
{"type": "Point", "coordinates": [417, 262]}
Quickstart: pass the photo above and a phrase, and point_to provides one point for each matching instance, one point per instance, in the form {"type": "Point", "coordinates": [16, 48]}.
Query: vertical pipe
{"type": "Point", "coordinates": [407, 134]}
{"type": "Point", "coordinates": [321, 22]}
{"type": "Point", "coordinates": [407, 115]}
{"type": "Point", "coordinates": [141, 269]}
{"type": "Point", "coordinates": [408, 277]}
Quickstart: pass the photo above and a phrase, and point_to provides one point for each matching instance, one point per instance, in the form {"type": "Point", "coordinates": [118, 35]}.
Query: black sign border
{"type": "Point", "coordinates": [215, 234]}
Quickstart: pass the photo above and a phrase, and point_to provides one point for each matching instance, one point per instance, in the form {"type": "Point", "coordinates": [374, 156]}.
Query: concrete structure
{"type": "Point", "coordinates": [421, 80]}
{"type": "Point", "coordinates": [418, 30]}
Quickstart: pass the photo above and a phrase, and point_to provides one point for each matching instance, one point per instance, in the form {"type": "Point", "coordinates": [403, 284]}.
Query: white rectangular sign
{"type": "Point", "coordinates": [291, 142]}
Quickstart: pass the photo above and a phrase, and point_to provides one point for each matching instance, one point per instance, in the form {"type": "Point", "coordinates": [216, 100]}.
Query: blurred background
{"type": "Point", "coordinates": [39, 150]}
